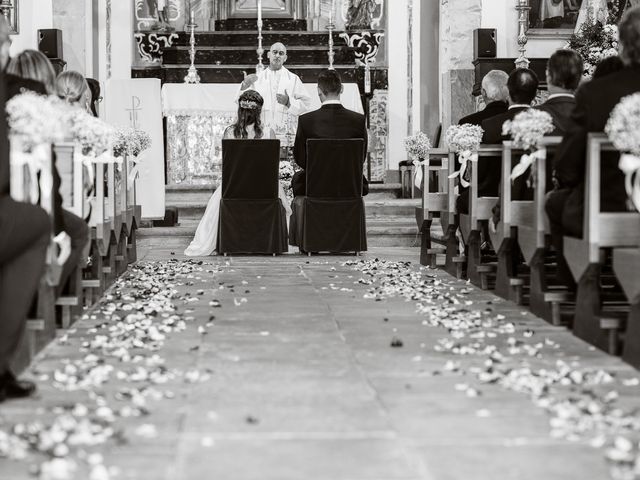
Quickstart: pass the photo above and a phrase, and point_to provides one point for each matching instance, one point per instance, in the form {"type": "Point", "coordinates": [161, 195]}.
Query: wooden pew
{"type": "Point", "coordinates": [40, 329]}
{"type": "Point", "coordinates": [532, 236]}
{"type": "Point", "coordinates": [116, 186]}
{"type": "Point", "coordinates": [435, 204]}
{"type": "Point", "coordinates": [602, 230]}
{"type": "Point", "coordinates": [470, 224]}
{"type": "Point", "coordinates": [130, 211]}
{"type": "Point", "coordinates": [626, 265]}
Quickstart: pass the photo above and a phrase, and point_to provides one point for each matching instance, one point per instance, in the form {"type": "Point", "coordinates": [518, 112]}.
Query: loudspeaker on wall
{"type": "Point", "coordinates": [484, 43]}
{"type": "Point", "coordinates": [50, 42]}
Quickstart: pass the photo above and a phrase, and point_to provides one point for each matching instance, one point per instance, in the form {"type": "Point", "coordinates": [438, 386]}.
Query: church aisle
{"type": "Point", "coordinates": [297, 368]}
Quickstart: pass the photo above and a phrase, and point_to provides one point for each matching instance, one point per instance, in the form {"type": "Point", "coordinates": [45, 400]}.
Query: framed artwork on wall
{"type": "Point", "coordinates": [9, 8]}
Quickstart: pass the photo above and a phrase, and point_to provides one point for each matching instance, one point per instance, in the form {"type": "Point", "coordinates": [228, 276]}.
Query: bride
{"type": "Point", "coordinates": [248, 126]}
{"type": "Point", "coordinates": [592, 10]}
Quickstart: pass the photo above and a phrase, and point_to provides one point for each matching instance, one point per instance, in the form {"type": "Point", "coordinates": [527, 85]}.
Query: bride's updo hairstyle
{"type": "Point", "coordinates": [72, 87]}
{"type": "Point", "coordinates": [249, 111]}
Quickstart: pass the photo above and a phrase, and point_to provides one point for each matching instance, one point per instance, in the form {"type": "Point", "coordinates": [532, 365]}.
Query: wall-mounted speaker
{"type": "Point", "coordinates": [50, 42]}
{"type": "Point", "coordinates": [484, 43]}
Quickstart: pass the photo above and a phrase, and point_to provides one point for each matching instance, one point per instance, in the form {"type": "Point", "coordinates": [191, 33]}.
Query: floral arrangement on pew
{"type": "Point", "coordinates": [623, 129]}
{"type": "Point", "coordinates": [131, 142]}
{"type": "Point", "coordinates": [417, 147]}
{"type": "Point", "coordinates": [596, 40]}
{"type": "Point", "coordinates": [94, 136]}
{"type": "Point", "coordinates": [527, 130]}
{"type": "Point", "coordinates": [287, 169]}
{"type": "Point", "coordinates": [465, 141]}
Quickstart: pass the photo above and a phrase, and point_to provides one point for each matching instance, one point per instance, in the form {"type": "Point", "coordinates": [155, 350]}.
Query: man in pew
{"type": "Point", "coordinates": [564, 72]}
{"type": "Point", "coordinates": [594, 102]}
{"type": "Point", "coordinates": [332, 120]}
{"type": "Point", "coordinates": [25, 233]}
{"type": "Point", "coordinates": [522, 86]}
{"type": "Point", "coordinates": [495, 95]}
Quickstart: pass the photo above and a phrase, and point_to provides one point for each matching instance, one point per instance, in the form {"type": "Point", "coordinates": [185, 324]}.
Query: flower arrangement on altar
{"type": "Point", "coordinates": [596, 40]}
{"type": "Point", "coordinates": [34, 120]}
{"type": "Point", "coordinates": [623, 129]}
{"type": "Point", "coordinates": [465, 141]}
{"type": "Point", "coordinates": [131, 142]}
{"type": "Point", "coordinates": [527, 130]}
{"type": "Point", "coordinates": [417, 145]}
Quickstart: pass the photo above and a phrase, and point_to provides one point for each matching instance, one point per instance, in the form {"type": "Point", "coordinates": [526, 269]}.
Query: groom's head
{"type": "Point", "coordinates": [329, 85]}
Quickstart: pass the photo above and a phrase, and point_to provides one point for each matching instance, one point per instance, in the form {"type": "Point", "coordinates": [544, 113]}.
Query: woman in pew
{"type": "Point", "coordinates": [247, 126]}
{"type": "Point", "coordinates": [34, 65]}
{"type": "Point", "coordinates": [72, 87]}
{"type": "Point", "coordinates": [25, 234]}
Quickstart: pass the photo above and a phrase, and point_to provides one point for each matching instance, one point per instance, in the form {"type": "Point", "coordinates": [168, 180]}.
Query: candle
{"type": "Point", "coordinates": [333, 6]}
{"type": "Point", "coordinates": [259, 12]}
{"type": "Point", "coordinates": [193, 18]}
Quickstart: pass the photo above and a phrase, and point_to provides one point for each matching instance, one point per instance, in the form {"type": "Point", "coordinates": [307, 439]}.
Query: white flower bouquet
{"type": "Point", "coordinates": [623, 129]}
{"type": "Point", "coordinates": [465, 141]}
{"type": "Point", "coordinates": [527, 130]}
{"type": "Point", "coordinates": [596, 40]}
{"type": "Point", "coordinates": [417, 145]}
{"type": "Point", "coordinates": [131, 142]}
{"type": "Point", "coordinates": [95, 136]}
{"type": "Point", "coordinates": [287, 169]}
{"type": "Point", "coordinates": [34, 120]}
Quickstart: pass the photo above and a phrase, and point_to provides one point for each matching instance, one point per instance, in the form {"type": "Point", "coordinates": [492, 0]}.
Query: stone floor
{"type": "Point", "coordinates": [305, 385]}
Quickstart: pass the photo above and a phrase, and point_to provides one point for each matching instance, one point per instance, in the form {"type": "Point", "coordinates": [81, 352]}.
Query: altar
{"type": "Point", "coordinates": [196, 118]}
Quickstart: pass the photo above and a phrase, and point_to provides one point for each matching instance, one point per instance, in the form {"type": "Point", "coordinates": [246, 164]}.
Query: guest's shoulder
{"type": "Point", "coordinates": [16, 85]}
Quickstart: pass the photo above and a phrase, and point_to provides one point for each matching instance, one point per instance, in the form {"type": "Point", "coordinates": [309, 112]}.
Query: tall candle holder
{"type": "Point", "coordinates": [260, 50]}
{"type": "Point", "coordinates": [523, 21]}
{"type": "Point", "coordinates": [331, 27]}
{"type": "Point", "coordinates": [192, 74]}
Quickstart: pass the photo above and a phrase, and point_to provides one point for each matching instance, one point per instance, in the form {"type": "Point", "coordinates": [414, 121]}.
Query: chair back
{"type": "Point", "coordinates": [250, 169]}
{"type": "Point", "coordinates": [334, 168]}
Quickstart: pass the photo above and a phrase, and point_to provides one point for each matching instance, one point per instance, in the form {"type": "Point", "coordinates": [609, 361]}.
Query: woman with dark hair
{"type": "Point", "coordinates": [608, 66]}
{"type": "Point", "coordinates": [247, 126]}
{"type": "Point", "coordinates": [94, 89]}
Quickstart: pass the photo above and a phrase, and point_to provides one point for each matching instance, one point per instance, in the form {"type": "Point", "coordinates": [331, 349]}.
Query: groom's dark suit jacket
{"type": "Point", "coordinates": [330, 121]}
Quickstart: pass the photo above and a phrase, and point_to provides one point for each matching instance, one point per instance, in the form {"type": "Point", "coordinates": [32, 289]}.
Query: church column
{"type": "Point", "coordinates": [458, 19]}
{"type": "Point", "coordinates": [400, 95]}
{"type": "Point", "coordinates": [72, 16]}
{"type": "Point", "coordinates": [429, 81]}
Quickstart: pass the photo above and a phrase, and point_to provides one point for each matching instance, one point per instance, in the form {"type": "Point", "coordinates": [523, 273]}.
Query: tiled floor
{"type": "Point", "coordinates": [304, 385]}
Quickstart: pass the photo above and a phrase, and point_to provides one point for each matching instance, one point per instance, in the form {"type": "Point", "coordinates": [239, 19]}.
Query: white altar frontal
{"type": "Point", "coordinates": [197, 116]}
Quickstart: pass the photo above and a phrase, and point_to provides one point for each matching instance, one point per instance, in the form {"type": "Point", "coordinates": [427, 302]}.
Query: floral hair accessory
{"type": "Point", "coordinates": [248, 104]}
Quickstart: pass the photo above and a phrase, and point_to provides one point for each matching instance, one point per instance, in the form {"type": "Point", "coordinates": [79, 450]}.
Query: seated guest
{"type": "Point", "coordinates": [34, 65]}
{"type": "Point", "coordinates": [594, 102]}
{"type": "Point", "coordinates": [564, 72]}
{"type": "Point", "coordinates": [495, 95]}
{"type": "Point", "coordinates": [607, 66]}
{"type": "Point", "coordinates": [332, 120]}
{"type": "Point", "coordinates": [25, 233]}
{"type": "Point", "coordinates": [72, 87]}
{"type": "Point", "coordinates": [14, 84]}
{"type": "Point", "coordinates": [523, 87]}
{"type": "Point", "coordinates": [94, 87]}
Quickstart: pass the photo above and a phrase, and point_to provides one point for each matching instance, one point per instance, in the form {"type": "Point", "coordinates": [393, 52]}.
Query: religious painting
{"type": "Point", "coordinates": [270, 8]}
{"type": "Point", "coordinates": [154, 14]}
{"type": "Point", "coordinates": [363, 14]}
{"type": "Point", "coordinates": [563, 16]}
{"type": "Point", "coordinates": [10, 12]}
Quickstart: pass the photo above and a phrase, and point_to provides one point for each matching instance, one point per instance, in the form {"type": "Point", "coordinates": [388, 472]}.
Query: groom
{"type": "Point", "coordinates": [332, 120]}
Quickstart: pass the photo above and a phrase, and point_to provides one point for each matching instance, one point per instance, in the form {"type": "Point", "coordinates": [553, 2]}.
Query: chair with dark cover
{"type": "Point", "coordinates": [331, 217]}
{"type": "Point", "coordinates": [252, 217]}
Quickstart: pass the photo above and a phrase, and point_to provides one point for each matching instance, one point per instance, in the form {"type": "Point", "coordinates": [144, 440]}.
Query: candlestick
{"type": "Point", "coordinates": [333, 7]}
{"type": "Point", "coordinates": [331, 27]}
{"type": "Point", "coordinates": [260, 50]}
{"type": "Point", "coordinates": [192, 73]}
{"type": "Point", "coordinates": [259, 11]}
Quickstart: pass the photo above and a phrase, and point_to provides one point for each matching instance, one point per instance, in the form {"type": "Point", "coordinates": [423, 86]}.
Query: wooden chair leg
{"type": "Point", "coordinates": [132, 252]}
{"type": "Point", "coordinates": [454, 261]}
{"type": "Point", "coordinates": [631, 347]}
{"type": "Point", "coordinates": [586, 323]}
{"type": "Point", "coordinates": [474, 258]}
{"type": "Point", "coordinates": [505, 270]}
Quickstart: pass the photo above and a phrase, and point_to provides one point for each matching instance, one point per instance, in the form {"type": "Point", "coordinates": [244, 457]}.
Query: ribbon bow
{"type": "Point", "coordinates": [465, 157]}
{"type": "Point", "coordinates": [526, 161]}
{"type": "Point", "coordinates": [630, 166]}
{"type": "Point", "coordinates": [418, 175]}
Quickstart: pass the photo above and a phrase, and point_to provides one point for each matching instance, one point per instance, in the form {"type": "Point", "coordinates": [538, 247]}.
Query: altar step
{"type": "Point", "coordinates": [250, 38]}
{"type": "Point", "coordinates": [246, 55]}
{"type": "Point", "coordinates": [267, 24]}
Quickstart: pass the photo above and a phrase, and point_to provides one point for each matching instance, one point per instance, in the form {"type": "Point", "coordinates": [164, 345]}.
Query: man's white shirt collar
{"type": "Point", "coordinates": [519, 105]}
{"type": "Point", "coordinates": [558, 95]}
{"type": "Point", "coordinates": [331, 102]}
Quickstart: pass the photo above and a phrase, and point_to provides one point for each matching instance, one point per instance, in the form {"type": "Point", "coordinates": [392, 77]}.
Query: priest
{"type": "Point", "coordinates": [285, 97]}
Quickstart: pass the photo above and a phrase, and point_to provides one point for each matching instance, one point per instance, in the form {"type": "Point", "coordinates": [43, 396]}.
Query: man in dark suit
{"type": "Point", "coordinates": [495, 95]}
{"type": "Point", "coordinates": [332, 120]}
{"type": "Point", "coordinates": [594, 103]}
{"type": "Point", "coordinates": [523, 87]}
{"type": "Point", "coordinates": [564, 72]}
{"type": "Point", "coordinates": [25, 233]}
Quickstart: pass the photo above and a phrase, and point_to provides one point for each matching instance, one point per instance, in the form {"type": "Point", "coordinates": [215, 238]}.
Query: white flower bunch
{"type": "Point", "coordinates": [287, 170]}
{"type": "Point", "coordinates": [464, 138]}
{"type": "Point", "coordinates": [34, 120]}
{"type": "Point", "coordinates": [95, 136]}
{"type": "Point", "coordinates": [129, 141]}
{"type": "Point", "coordinates": [528, 128]}
{"type": "Point", "coordinates": [417, 145]}
{"type": "Point", "coordinates": [623, 126]}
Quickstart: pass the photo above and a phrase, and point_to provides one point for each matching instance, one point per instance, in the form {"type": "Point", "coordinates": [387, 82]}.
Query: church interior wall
{"type": "Point", "coordinates": [32, 15]}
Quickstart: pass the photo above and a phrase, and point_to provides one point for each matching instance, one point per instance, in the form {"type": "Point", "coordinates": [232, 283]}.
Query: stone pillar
{"type": "Point", "coordinates": [458, 19]}
{"type": "Point", "coordinates": [121, 26]}
{"type": "Point", "coordinates": [428, 109]}
{"type": "Point", "coordinates": [71, 16]}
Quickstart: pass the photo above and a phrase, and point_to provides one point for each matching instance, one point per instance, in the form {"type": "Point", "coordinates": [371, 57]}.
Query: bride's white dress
{"type": "Point", "coordinates": [205, 241]}
{"type": "Point", "coordinates": [598, 8]}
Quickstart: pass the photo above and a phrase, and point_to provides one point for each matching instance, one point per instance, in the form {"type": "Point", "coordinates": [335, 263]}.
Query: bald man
{"type": "Point", "coordinates": [285, 97]}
